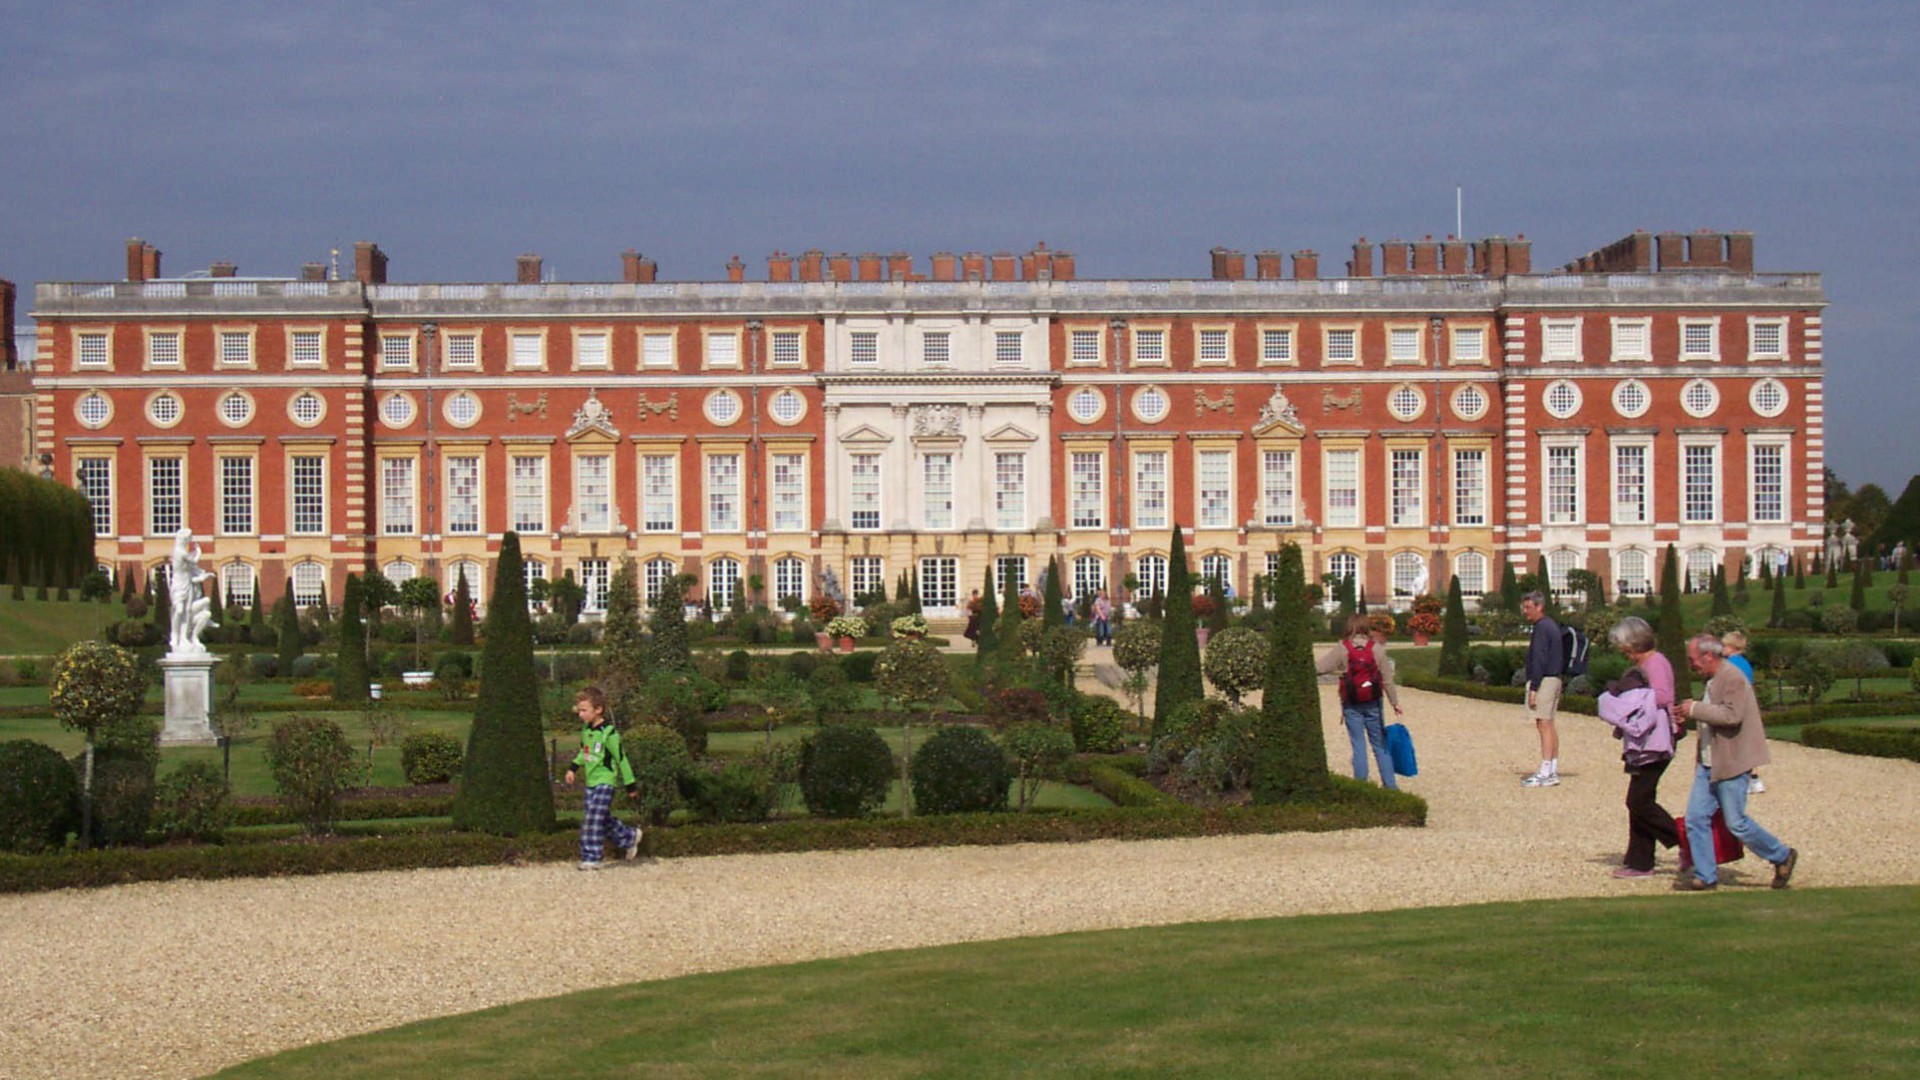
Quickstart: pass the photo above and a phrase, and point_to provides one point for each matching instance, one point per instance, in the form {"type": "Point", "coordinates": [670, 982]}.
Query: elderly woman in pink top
{"type": "Point", "coordinates": [1640, 707]}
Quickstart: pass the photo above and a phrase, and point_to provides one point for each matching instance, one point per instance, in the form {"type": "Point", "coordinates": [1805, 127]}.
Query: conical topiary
{"type": "Point", "coordinates": [1179, 680]}
{"type": "Point", "coordinates": [1857, 599]}
{"type": "Point", "coordinates": [460, 624]}
{"type": "Point", "coordinates": [505, 789]}
{"type": "Point", "coordinates": [1289, 749]}
{"type": "Point", "coordinates": [1670, 633]}
{"type": "Point", "coordinates": [350, 650]}
{"type": "Point", "coordinates": [1051, 597]}
{"type": "Point", "coordinates": [667, 646]}
{"type": "Point", "coordinates": [988, 641]}
{"type": "Point", "coordinates": [1722, 605]}
{"type": "Point", "coordinates": [1007, 632]}
{"type": "Point", "coordinates": [1779, 610]}
{"type": "Point", "coordinates": [286, 616]}
{"type": "Point", "coordinates": [1453, 633]}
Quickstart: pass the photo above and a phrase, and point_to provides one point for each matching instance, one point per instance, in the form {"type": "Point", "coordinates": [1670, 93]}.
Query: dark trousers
{"type": "Point", "coordinates": [1647, 820]}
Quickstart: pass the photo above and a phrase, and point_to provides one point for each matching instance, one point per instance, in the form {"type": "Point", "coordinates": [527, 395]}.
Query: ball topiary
{"type": "Point", "coordinates": [431, 757]}
{"type": "Point", "coordinates": [39, 797]}
{"type": "Point", "coordinates": [845, 770]}
{"type": "Point", "coordinates": [191, 802]}
{"type": "Point", "coordinates": [1099, 725]}
{"type": "Point", "coordinates": [961, 770]}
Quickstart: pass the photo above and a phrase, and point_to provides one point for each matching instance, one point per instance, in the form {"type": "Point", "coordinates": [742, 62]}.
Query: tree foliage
{"type": "Point", "coordinates": [1453, 633]}
{"type": "Point", "coordinates": [1235, 661]}
{"type": "Point", "coordinates": [1179, 678]}
{"type": "Point", "coordinates": [667, 646]}
{"type": "Point", "coordinates": [504, 788]}
{"type": "Point", "coordinates": [286, 616]}
{"type": "Point", "coordinates": [623, 646]}
{"type": "Point", "coordinates": [988, 641]}
{"type": "Point", "coordinates": [1670, 631]}
{"type": "Point", "coordinates": [1290, 752]}
{"type": "Point", "coordinates": [460, 622]}
{"type": "Point", "coordinates": [350, 651]}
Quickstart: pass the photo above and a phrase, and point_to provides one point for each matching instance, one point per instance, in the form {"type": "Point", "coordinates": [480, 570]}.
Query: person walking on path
{"type": "Point", "coordinates": [1735, 642]}
{"type": "Point", "coordinates": [603, 764]}
{"type": "Point", "coordinates": [1639, 705]}
{"type": "Point", "coordinates": [1102, 619]}
{"type": "Point", "coordinates": [1366, 676]}
{"type": "Point", "coordinates": [1733, 741]}
{"type": "Point", "coordinates": [972, 632]}
{"type": "Point", "coordinates": [1546, 665]}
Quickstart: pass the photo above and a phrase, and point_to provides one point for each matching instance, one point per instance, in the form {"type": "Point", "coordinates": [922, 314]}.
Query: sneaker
{"type": "Point", "coordinates": [633, 849]}
{"type": "Point", "coordinates": [1757, 786]}
{"type": "Point", "coordinates": [1630, 872]}
{"type": "Point", "coordinates": [1690, 883]}
{"type": "Point", "coordinates": [585, 865]}
{"type": "Point", "coordinates": [1783, 870]}
{"type": "Point", "coordinates": [1541, 780]}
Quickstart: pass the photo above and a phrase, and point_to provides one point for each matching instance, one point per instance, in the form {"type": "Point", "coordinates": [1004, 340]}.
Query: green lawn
{"type": "Point", "coordinates": [43, 628]}
{"type": "Point", "coordinates": [1790, 984]}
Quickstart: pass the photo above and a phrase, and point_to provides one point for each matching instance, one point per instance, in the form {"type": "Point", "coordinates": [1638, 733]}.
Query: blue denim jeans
{"type": "Point", "coordinates": [1365, 725]}
{"type": "Point", "coordinates": [1728, 796]}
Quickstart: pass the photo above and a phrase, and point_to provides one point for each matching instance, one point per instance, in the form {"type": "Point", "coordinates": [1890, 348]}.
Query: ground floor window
{"type": "Point", "coordinates": [940, 582]}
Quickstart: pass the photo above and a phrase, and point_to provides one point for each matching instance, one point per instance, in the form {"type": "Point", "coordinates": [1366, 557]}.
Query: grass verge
{"type": "Point", "coordinates": [1800, 983]}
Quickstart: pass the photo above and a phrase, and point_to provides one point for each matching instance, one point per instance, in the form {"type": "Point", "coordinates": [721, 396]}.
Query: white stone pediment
{"type": "Point", "coordinates": [1279, 415]}
{"type": "Point", "coordinates": [866, 433]}
{"type": "Point", "coordinates": [1011, 433]}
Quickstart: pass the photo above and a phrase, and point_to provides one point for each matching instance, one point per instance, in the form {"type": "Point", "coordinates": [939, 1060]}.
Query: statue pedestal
{"type": "Point", "coordinates": [189, 683]}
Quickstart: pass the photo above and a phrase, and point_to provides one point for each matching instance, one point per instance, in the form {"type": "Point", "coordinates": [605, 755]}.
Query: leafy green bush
{"type": "Point", "coordinates": [1223, 760]}
{"type": "Point", "coordinates": [1099, 725]}
{"type": "Point", "coordinates": [1499, 661]}
{"type": "Point", "coordinates": [859, 666]}
{"type": "Point", "coordinates": [39, 797]}
{"type": "Point", "coordinates": [311, 765]}
{"type": "Point", "coordinates": [1189, 724]}
{"type": "Point", "coordinates": [263, 666]}
{"type": "Point", "coordinates": [306, 666]}
{"type": "Point", "coordinates": [834, 696]}
{"type": "Point", "coordinates": [431, 757]}
{"type": "Point", "coordinates": [1235, 661]}
{"type": "Point", "coordinates": [453, 663]}
{"type": "Point", "coordinates": [191, 802]}
{"type": "Point", "coordinates": [660, 759]}
{"type": "Point", "coordinates": [1872, 741]}
{"type": "Point", "coordinates": [739, 666]}
{"type": "Point", "coordinates": [1037, 751]}
{"type": "Point", "coordinates": [960, 770]}
{"type": "Point", "coordinates": [1838, 619]}
{"type": "Point", "coordinates": [801, 665]}
{"type": "Point", "coordinates": [737, 791]}
{"type": "Point", "coordinates": [1015, 705]}
{"type": "Point", "coordinates": [802, 631]}
{"type": "Point", "coordinates": [845, 770]}
{"type": "Point", "coordinates": [680, 700]}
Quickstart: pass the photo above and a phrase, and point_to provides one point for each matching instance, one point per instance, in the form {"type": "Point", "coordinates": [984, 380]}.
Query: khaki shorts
{"type": "Point", "coordinates": [1546, 699]}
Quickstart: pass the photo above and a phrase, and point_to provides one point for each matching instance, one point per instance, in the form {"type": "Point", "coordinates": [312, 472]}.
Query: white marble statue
{"type": "Point", "coordinates": [192, 608]}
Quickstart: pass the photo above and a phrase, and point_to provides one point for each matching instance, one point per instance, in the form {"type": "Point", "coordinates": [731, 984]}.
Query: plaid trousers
{"type": "Point", "coordinates": [600, 826]}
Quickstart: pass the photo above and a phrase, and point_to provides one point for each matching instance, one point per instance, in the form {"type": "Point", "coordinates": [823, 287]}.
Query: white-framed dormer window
{"type": "Point", "coordinates": [1403, 345]}
{"type": "Point", "coordinates": [460, 350]}
{"type": "Point", "coordinates": [1276, 345]}
{"type": "Point", "coordinates": [1343, 488]}
{"type": "Point", "coordinates": [234, 348]}
{"type": "Point", "coordinates": [1632, 339]}
{"type": "Point", "coordinates": [656, 349]}
{"type": "Point", "coordinates": [1009, 349]}
{"type": "Point", "coordinates": [591, 350]}
{"type": "Point", "coordinates": [1342, 345]}
{"type": "Point", "coordinates": [723, 493]}
{"type": "Point", "coordinates": [306, 348]}
{"type": "Point", "coordinates": [1084, 346]}
{"type": "Point", "coordinates": [1469, 345]}
{"type": "Point", "coordinates": [396, 351]}
{"type": "Point", "coordinates": [1149, 345]}
{"type": "Point", "coordinates": [92, 348]}
{"type": "Point", "coordinates": [527, 350]}
{"type": "Point", "coordinates": [659, 493]}
{"type": "Point", "coordinates": [784, 351]}
{"type": "Point", "coordinates": [1010, 490]}
{"type": "Point", "coordinates": [1212, 346]}
{"type": "Point", "coordinates": [1560, 340]}
{"type": "Point", "coordinates": [1700, 339]}
{"type": "Point", "coordinates": [863, 348]}
{"type": "Point", "coordinates": [863, 491]}
{"type": "Point", "coordinates": [163, 348]}
{"type": "Point", "coordinates": [723, 348]}
{"type": "Point", "coordinates": [1766, 338]}
{"type": "Point", "coordinates": [936, 348]}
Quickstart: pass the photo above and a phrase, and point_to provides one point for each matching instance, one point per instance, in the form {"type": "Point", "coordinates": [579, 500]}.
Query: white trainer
{"type": "Point", "coordinates": [1541, 780]}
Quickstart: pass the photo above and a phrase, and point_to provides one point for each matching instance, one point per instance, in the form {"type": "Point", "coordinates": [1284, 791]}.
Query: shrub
{"type": "Point", "coordinates": [859, 666]}
{"type": "Point", "coordinates": [431, 757]}
{"type": "Point", "coordinates": [1015, 705]}
{"type": "Point", "coordinates": [801, 665]}
{"type": "Point", "coordinates": [833, 694]}
{"type": "Point", "coordinates": [659, 758]}
{"type": "Point", "coordinates": [847, 626]}
{"type": "Point", "coordinates": [1872, 741]}
{"type": "Point", "coordinates": [960, 770]}
{"type": "Point", "coordinates": [1038, 751]}
{"type": "Point", "coordinates": [680, 700]}
{"type": "Point", "coordinates": [1223, 760]}
{"type": "Point", "coordinates": [801, 632]}
{"type": "Point", "coordinates": [845, 770]}
{"type": "Point", "coordinates": [1136, 645]}
{"type": "Point", "coordinates": [263, 666]}
{"type": "Point", "coordinates": [305, 666]}
{"type": "Point", "coordinates": [454, 662]}
{"type": "Point", "coordinates": [739, 666]}
{"type": "Point", "coordinates": [1185, 728]}
{"type": "Point", "coordinates": [823, 608]}
{"type": "Point", "coordinates": [39, 797]}
{"type": "Point", "coordinates": [123, 792]}
{"type": "Point", "coordinates": [192, 802]}
{"type": "Point", "coordinates": [737, 791]}
{"type": "Point", "coordinates": [1837, 619]}
{"type": "Point", "coordinates": [1099, 725]}
{"type": "Point", "coordinates": [311, 765]}
{"type": "Point", "coordinates": [1235, 661]}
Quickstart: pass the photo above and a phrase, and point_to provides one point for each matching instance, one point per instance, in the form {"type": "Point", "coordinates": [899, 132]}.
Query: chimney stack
{"type": "Point", "coordinates": [1361, 265]}
{"type": "Point", "coordinates": [527, 269]}
{"type": "Point", "coordinates": [946, 266]}
{"type": "Point", "coordinates": [1673, 250]}
{"type": "Point", "coordinates": [1393, 258]}
{"type": "Point", "coordinates": [1453, 256]}
{"type": "Point", "coordinates": [973, 266]}
{"type": "Point", "coordinates": [899, 266]}
{"type": "Point", "coordinates": [779, 266]}
{"type": "Point", "coordinates": [1267, 265]}
{"type": "Point", "coordinates": [736, 270]}
{"type": "Point", "coordinates": [1003, 266]}
{"type": "Point", "coordinates": [1493, 256]}
{"type": "Point", "coordinates": [1038, 265]}
{"type": "Point", "coordinates": [136, 259]}
{"type": "Point", "coordinates": [313, 271]}
{"type": "Point", "coordinates": [1520, 255]}
{"type": "Point", "coordinates": [1306, 265]}
{"type": "Point", "coordinates": [1706, 249]}
{"type": "Point", "coordinates": [369, 263]}
{"type": "Point", "coordinates": [840, 266]}
{"type": "Point", "coordinates": [870, 266]}
{"type": "Point", "coordinates": [1426, 256]}
{"type": "Point", "coordinates": [1229, 265]}
{"type": "Point", "coordinates": [1063, 266]}
{"type": "Point", "coordinates": [223, 269]}
{"type": "Point", "coordinates": [9, 359]}
{"type": "Point", "coordinates": [636, 270]}
{"type": "Point", "coordinates": [1740, 252]}
{"type": "Point", "coordinates": [810, 261]}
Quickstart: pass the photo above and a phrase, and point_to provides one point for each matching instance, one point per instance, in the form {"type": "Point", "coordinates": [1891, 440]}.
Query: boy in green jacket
{"type": "Point", "coordinates": [603, 764]}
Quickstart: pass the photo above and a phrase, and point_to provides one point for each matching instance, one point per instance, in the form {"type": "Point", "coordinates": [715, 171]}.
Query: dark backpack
{"type": "Point", "coordinates": [1573, 652]}
{"type": "Point", "coordinates": [1360, 683]}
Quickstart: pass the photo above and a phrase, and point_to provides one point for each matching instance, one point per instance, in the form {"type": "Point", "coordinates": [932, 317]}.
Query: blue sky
{"type": "Point", "coordinates": [1136, 135]}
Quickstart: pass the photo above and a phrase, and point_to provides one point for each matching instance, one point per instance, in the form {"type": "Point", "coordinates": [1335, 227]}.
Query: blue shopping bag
{"type": "Point", "coordinates": [1400, 749]}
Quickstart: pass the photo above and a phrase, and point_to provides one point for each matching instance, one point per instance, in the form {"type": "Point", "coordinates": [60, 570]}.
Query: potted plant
{"type": "Point", "coordinates": [1202, 607]}
{"type": "Point", "coordinates": [848, 628]}
{"type": "Point", "coordinates": [910, 626]}
{"type": "Point", "coordinates": [1423, 625]}
{"type": "Point", "coordinates": [824, 608]}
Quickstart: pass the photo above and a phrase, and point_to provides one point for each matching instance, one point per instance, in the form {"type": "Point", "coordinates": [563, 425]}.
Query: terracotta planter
{"type": "Point", "coordinates": [846, 644]}
{"type": "Point", "coordinates": [824, 640]}
{"type": "Point", "coordinates": [1202, 633]}
{"type": "Point", "coordinates": [1420, 638]}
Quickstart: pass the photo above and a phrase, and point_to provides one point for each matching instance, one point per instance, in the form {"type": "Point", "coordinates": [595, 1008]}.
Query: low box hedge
{"type": "Point", "coordinates": [1840, 710]}
{"type": "Point", "coordinates": [1869, 740]}
{"type": "Point", "coordinates": [1507, 695]}
{"type": "Point", "coordinates": [1348, 805]}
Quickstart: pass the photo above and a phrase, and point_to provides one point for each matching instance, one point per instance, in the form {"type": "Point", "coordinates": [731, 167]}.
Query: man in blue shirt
{"type": "Point", "coordinates": [1546, 662]}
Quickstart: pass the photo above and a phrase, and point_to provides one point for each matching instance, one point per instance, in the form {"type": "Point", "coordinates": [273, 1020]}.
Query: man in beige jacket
{"type": "Point", "coordinates": [1732, 743]}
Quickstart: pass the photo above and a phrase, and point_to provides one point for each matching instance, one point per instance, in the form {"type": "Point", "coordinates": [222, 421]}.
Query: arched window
{"type": "Point", "coordinates": [658, 571]}
{"type": "Point", "coordinates": [1700, 564]}
{"type": "Point", "coordinates": [399, 572]}
{"type": "Point", "coordinates": [789, 580]}
{"type": "Point", "coordinates": [1558, 564]}
{"type": "Point", "coordinates": [723, 583]}
{"type": "Point", "coordinates": [1217, 566]}
{"type": "Point", "coordinates": [473, 573]}
{"type": "Point", "coordinates": [533, 570]}
{"type": "Point", "coordinates": [1343, 566]}
{"type": "Point", "coordinates": [236, 584]}
{"type": "Point", "coordinates": [1409, 574]}
{"type": "Point", "coordinates": [1773, 558]}
{"type": "Point", "coordinates": [1633, 574]}
{"type": "Point", "coordinates": [309, 584]}
{"type": "Point", "coordinates": [1471, 568]}
{"type": "Point", "coordinates": [1152, 572]}
{"type": "Point", "coordinates": [1089, 575]}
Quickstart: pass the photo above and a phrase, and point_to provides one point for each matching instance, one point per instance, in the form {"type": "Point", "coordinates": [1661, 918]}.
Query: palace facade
{"type": "Point", "coordinates": [1439, 409]}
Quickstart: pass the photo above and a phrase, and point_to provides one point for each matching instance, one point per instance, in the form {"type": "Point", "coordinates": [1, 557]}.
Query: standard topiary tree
{"type": "Point", "coordinates": [418, 597]}
{"type": "Point", "coordinates": [1290, 752]}
{"type": "Point", "coordinates": [961, 770]}
{"type": "Point", "coordinates": [96, 688]}
{"type": "Point", "coordinates": [1179, 679]}
{"type": "Point", "coordinates": [1453, 633]}
{"type": "Point", "coordinates": [667, 648]}
{"type": "Point", "coordinates": [286, 616]}
{"type": "Point", "coordinates": [912, 674]}
{"type": "Point", "coordinates": [1670, 631]}
{"type": "Point", "coordinates": [1051, 597]}
{"type": "Point", "coordinates": [1235, 661]}
{"type": "Point", "coordinates": [350, 653]}
{"type": "Point", "coordinates": [1136, 648]}
{"type": "Point", "coordinates": [460, 622]}
{"type": "Point", "coordinates": [504, 788]}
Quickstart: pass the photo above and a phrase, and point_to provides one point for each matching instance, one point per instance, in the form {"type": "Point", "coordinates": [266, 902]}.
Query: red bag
{"type": "Point", "coordinates": [1726, 846]}
{"type": "Point", "coordinates": [1360, 683]}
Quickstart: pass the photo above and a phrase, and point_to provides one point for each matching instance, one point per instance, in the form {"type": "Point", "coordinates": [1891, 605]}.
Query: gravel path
{"type": "Point", "coordinates": [180, 978]}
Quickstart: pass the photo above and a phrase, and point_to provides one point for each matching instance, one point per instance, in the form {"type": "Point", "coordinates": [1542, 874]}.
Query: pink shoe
{"type": "Point", "coordinates": [1630, 872]}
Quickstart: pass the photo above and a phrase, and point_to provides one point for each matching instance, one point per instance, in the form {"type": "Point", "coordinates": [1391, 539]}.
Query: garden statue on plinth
{"type": "Point", "coordinates": [188, 666]}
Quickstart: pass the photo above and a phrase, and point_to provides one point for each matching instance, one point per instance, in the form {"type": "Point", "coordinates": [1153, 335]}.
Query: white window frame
{"type": "Point", "coordinates": [307, 483]}
{"type": "Point", "coordinates": [720, 350]}
{"type": "Point", "coordinates": [525, 472]}
{"type": "Point", "coordinates": [1631, 580]}
{"type": "Point", "coordinates": [723, 582]}
{"type": "Point", "coordinates": [864, 491]}
{"type": "Point", "coordinates": [1628, 510]}
{"type": "Point", "coordinates": [1149, 346]}
{"type": "Point", "coordinates": [1406, 345]}
{"type": "Point", "coordinates": [93, 478]}
{"type": "Point", "coordinates": [156, 357]}
{"type": "Point", "coordinates": [92, 349]}
{"type": "Point", "coordinates": [1096, 357]}
{"type": "Point", "coordinates": [936, 348]}
{"type": "Point", "coordinates": [1470, 489]}
{"type": "Point", "coordinates": [302, 338]}
{"type": "Point", "coordinates": [233, 347]}
{"type": "Point", "coordinates": [1340, 346]}
{"type": "Point", "coordinates": [1701, 507]}
{"type": "Point", "coordinates": [165, 512]}
{"type": "Point", "coordinates": [1213, 488]}
{"type": "Point", "coordinates": [1009, 349]}
{"type": "Point", "coordinates": [1710, 324]}
{"type": "Point", "coordinates": [788, 474]}
{"type": "Point", "coordinates": [397, 351]}
{"type": "Point", "coordinates": [863, 348]}
{"type": "Point", "coordinates": [938, 582]}
{"type": "Point", "coordinates": [1010, 489]}
{"type": "Point", "coordinates": [1563, 485]}
{"type": "Point", "coordinates": [1212, 346]}
{"type": "Point", "coordinates": [1087, 475]}
{"type": "Point", "coordinates": [465, 496]}
{"type": "Point", "coordinates": [1005, 566]}
{"type": "Point", "coordinates": [781, 342]}
{"type": "Point", "coordinates": [1778, 324]}
{"type": "Point", "coordinates": [1473, 582]}
{"type": "Point", "coordinates": [239, 584]}
{"type": "Point", "coordinates": [789, 579]}
{"type": "Point", "coordinates": [399, 495]}
{"type": "Point", "coordinates": [1406, 570]}
{"type": "Point", "coordinates": [1625, 349]}
{"type": "Point", "coordinates": [526, 350]}
{"type": "Point", "coordinates": [1343, 503]}
{"type": "Point", "coordinates": [309, 584]}
{"type": "Point", "coordinates": [1458, 350]}
{"type": "Point", "coordinates": [1279, 346]}
{"type": "Point", "coordinates": [595, 576]}
{"type": "Point", "coordinates": [1406, 487]}
{"type": "Point", "coordinates": [238, 477]}
{"type": "Point", "coordinates": [936, 490]}
{"type": "Point", "coordinates": [655, 573]}
{"type": "Point", "coordinates": [723, 484]}
{"type": "Point", "coordinates": [593, 493]}
{"type": "Point", "coordinates": [1152, 492]}
{"type": "Point", "coordinates": [658, 349]}
{"type": "Point", "coordinates": [1560, 341]}
{"type": "Point", "coordinates": [659, 493]}
{"type": "Point", "coordinates": [586, 343]}
{"type": "Point", "coordinates": [1151, 570]}
{"type": "Point", "coordinates": [866, 575]}
{"type": "Point", "coordinates": [1089, 575]}
{"type": "Point", "coordinates": [1758, 491]}
{"type": "Point", "coordinates": [1279, 487]}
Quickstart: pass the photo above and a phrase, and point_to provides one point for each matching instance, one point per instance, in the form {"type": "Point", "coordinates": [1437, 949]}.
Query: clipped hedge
{"type": "Point", "coordinates": [1349, 805]}
{"type": "Point", "coordinates": [1870, 740]}
{"type": "Point", "coordinates": [1839, 710]}
{"type": "Point", "coordinates": [1506, 695]}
